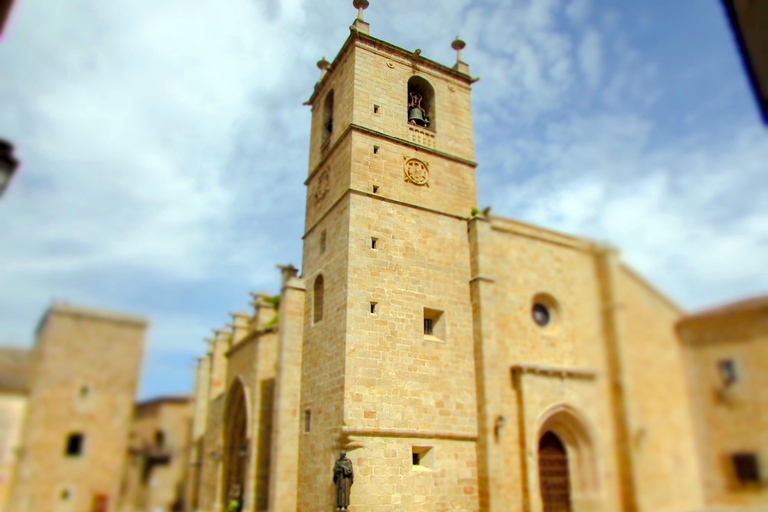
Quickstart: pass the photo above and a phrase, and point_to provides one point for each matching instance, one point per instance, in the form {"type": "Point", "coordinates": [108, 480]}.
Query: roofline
{"type": "Point", "coordinates": [760, 92]}
{"type": "Point", "coordinates": [746, 306]}
{"type": "Point", "coordinates": [178, 399]}
{"type": "Point", "coordinates": [99, 314]}
{"type": "Point", "coordinates": [402, 52]}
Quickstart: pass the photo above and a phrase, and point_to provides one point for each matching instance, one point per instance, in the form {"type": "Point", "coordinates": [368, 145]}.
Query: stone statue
{"type": "Point", "coordinates": [343, 476]}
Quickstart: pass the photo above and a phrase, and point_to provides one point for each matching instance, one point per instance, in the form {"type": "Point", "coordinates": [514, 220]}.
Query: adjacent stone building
{"type": "Point", "coordinates": [72, 438]}
{"type": "Point", "coordinates": [75, 438]}
{"type": "Point", "coordinates": [15, 377]}
{"type": "Point", "coordinates": [727, 356]}
{"type": "Point", "coordinates": [463, 361]}
{"type": "Point", "coordinates": [156, 469]}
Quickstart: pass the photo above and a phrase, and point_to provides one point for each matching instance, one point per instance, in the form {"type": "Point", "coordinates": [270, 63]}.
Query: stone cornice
{"type": "Point", "coordinates": [352, 191]}
{"type": "Point", "coordinates": [384, 136]}
{"type": "Point", "coordinates": [553, 371]}
{"type": "Point", "coordinates": [359, 38]}
{"type": "Point", "coordinates": [419, 434]}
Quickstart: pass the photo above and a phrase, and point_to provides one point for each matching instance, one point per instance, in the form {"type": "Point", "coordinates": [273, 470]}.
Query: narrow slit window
{"type": "Point", "coordinates": [375, 150]}
{"type": "Point", "coordinates": [375, 109]}
{"type": "Point", "coordinates": [307, 420]}
{"type": "Point", "coordinates": [323, 239]}
{"type": "Point", "coordinates": [373, 307]}
{"type": "Point", "coordinates": [434, 325]}
{"type": "Point", "coordinates": [318, 298]}
{"type": "Point", "coordinates": [373, 242]}
{"type": "Point", "coordinates": [375, 189]}
{"type": "Point", "coordinates": [74, 445]}
{"type": "Point", "coordinates": [423, 458]}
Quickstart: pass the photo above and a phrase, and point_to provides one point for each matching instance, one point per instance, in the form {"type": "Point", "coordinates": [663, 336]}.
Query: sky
{"type": "Point", "coordinates": [164, 146]}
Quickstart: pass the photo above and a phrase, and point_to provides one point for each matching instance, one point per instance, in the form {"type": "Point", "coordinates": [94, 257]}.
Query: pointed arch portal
{"type": "Point", "coordinates": [235, 444]}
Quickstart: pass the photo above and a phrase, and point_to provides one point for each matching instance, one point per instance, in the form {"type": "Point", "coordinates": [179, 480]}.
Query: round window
{"type": "Point", "coordinates": [541, 315]}
{"type": "Point", "coordinates": [545, 311]}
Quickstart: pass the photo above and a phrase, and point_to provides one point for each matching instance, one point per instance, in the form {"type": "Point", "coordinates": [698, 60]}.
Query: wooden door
{"type": "Point", "coordinates": [553, 474]}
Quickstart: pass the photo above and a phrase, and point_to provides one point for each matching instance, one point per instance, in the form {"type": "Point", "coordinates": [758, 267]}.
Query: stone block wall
{"type": "Point", "coordinates": [86, 376]}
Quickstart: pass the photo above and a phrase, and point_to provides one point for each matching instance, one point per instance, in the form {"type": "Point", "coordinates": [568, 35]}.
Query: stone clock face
{"type": "Point", "coordinates": [416, 172]}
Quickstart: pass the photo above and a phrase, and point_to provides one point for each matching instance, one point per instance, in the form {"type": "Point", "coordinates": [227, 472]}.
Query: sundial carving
{"type": "Point", "coordinates": [416, 171]}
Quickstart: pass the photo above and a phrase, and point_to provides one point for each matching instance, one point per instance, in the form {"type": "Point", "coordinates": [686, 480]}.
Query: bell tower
{"type": "Point", "coordinates": [388, 369]}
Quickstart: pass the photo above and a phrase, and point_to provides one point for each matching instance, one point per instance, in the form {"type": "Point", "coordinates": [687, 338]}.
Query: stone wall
{"type": "Point", "coordinates": [86, 376]}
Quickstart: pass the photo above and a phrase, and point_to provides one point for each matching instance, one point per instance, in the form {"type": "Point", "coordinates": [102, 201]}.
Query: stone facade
{"type": "Point", "coordinates": [727, 354]}
{"type": "Point", "coordinates": [15, 376]}
{"type": "Point", "coordinates": [75, 440]}
{"type": "Point", "coordinates": [463, 361]}
{"type": "Point", "coordinates": [156, 469]}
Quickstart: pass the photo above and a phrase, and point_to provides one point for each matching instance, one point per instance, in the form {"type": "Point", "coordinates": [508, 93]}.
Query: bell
{"type": "Point", "coordinates": [416, 116]}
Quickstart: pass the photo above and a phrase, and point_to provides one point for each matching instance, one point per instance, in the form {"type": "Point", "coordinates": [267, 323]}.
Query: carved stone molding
{"type": "Point", "coordinates": [416, 171]}
{"type": "Point", "coordinates": [323, 185]}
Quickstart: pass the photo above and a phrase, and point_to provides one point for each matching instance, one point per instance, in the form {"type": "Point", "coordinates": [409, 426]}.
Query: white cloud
{"type": "Point", "coordinates": [591, 57]}
{"type": "Point", "coordinates": [164, 149]}
{"type": "Point", "coordinates": [681, 215]}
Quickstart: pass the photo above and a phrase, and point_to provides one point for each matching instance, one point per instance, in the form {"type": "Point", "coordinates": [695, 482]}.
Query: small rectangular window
{"type": "Point", "coordinates": [746, 468]}
{"type": "Point", "coordinates": [375, 109]}
{"type": "Point", "coordinates": [323, 238]}
{"type": "Point", "coordinates": [373, 242]}
{"type": "Point", "coordinates": [422, 458]}
{"type": "Point", "coordinates": [307, 420]}
{"type": "Point", "coordinates": [74, 446]}
{"type": "Point", "coordinates": [434, 325]}
{"type": "Point", "coordinates": [729, 373]}
{"type": "Point", "coordinates": [373, 307]}
{"type": "Point", "coordinates": [375, 150]}
{"type": "Point", "coordinates": [375, 189]}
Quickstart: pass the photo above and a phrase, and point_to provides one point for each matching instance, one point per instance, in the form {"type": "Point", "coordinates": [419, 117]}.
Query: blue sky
{"type": "Point", "coordinates": [165, 145]}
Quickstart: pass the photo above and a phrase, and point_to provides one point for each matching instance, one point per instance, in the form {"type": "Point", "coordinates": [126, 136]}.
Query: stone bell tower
{"type": "Point", "coordinates": [388, 366]}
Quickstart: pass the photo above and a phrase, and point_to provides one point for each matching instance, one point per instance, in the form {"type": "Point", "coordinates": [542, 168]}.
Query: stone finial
{"type": "Point", "coordinates": [459, 45]}
{"type": "Point", "coordinates": [324, 66]}
{"type": "Point", "coordinates": [360, 25]}
{"type": "Point", "coordinates": [360, 5]}
{"type": "Point", "coordinates": [289, 272]}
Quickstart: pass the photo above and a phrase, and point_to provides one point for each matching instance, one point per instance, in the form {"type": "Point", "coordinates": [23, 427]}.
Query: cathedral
{"type": "Point", "coordinates": [430, 357]}
{"type": "Point", "coordinates": [460, 361]}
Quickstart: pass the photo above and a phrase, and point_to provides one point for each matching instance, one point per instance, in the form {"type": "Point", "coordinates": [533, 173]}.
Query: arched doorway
{"type": "Point", "coordinates": [235, 445]}
{"type": "Point", "coordinates": [554, 478]}
{"type": "Point", "coordinates": [568, 470]}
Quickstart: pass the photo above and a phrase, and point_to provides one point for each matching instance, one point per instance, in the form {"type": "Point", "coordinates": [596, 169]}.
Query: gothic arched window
{"type": "Point", "coordinates": [328, 117]}
{"type": "Point", "coordinates": [318, 299]}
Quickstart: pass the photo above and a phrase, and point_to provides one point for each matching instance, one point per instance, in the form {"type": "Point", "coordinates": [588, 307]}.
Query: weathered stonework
{"type": "Point", "coordinates": [86, 369]}
{"type": "Point", "coordinates": [414, 339]}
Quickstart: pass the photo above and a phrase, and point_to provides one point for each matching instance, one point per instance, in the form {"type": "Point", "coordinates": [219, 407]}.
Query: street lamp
{"type": "Point", "coordinates": [8, 164]}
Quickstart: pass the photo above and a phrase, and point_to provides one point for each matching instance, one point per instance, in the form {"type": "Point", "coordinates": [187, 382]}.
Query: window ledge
{"type": "Point", "coordinates": [421, 468]}
{"type": "Point", "coordinates": [433, 339]}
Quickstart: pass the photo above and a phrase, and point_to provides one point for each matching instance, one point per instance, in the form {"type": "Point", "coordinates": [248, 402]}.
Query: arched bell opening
{"type": "Point", "coordinates": [421, 103]}
{"type": "Point", "coordinates": [567, 468]}
{"type": "Point", "coordinates": [236, 447]}
{"type": "Point", "coordinates": [327, 129]}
